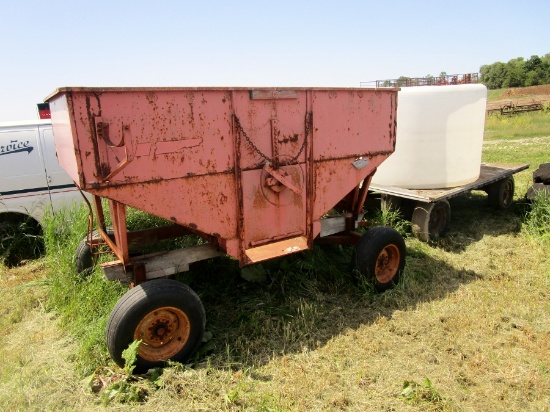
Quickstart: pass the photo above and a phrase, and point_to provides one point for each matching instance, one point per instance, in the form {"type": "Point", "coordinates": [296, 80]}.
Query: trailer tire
{"type": "Point", "coordinates": [501, 193]}
{"type": "Point", "coordinates": [380, 257]}
{"type": "Point", "coordinates": [431, 220]}
{"type": "Point", "coordinates": [85, 260]}
{"type": "Point", "coordinates": [167, 316]}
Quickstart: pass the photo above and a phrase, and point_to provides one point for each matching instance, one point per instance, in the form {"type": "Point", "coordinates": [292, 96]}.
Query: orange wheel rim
{"type": "Point", "coordinates": [163, 333]}
{"type": "Point", "coordinates": [387, 264]}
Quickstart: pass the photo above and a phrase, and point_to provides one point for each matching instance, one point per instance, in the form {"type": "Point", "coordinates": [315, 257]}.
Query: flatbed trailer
{"type": "Point", "coordinates": [429, 210]}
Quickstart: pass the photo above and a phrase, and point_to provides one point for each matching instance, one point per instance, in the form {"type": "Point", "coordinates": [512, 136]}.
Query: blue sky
{"type": "Point", "coordinates": [49, 44]}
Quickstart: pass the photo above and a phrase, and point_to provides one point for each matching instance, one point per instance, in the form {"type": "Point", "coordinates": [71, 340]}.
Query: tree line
{"type": "Point", "coordinates": [517, 72]}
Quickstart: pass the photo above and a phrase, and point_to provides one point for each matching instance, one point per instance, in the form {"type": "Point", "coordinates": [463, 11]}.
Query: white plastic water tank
{"type": "Point", "coordinates": [439, 137]}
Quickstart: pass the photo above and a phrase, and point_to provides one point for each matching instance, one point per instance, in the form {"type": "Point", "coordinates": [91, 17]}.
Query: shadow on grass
{"type": "Point", "coordinates": [305, 300]}
{"type": "Point", "coordinates": [472, 218]}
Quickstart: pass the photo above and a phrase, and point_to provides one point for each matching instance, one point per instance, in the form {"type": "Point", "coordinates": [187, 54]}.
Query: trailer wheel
{"type": "Point", "coordinates": [166, 315]}
{"type": "Point", "coordinates": [501, 193]}
{"type": "Point", "coordinates": [431, 220]}
{"type": "Point", "coordinates": [380, 257]}
{"type": "Point", "coordinates": [84, 258]}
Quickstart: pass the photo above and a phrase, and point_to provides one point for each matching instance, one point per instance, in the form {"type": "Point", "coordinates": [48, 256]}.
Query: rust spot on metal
{"type": "Point", "coordinates": [260, 201]}
{"type": "Point", "coordinates": [192, 225]}
{"type": "Point", "coordinates": [104, 169]}
{"type": "Point", "coordinates": [290, 139]}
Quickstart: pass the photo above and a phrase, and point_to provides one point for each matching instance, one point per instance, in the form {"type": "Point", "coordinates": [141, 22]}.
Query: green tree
{"type": "Point", "coordinates": [517, 72]}
{"type": "Point", "coordinates": [492, 75]}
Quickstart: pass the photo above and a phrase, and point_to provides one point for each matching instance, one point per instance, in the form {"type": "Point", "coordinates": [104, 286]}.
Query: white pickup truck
{"type": "Point", "coordinates": [31, 181]}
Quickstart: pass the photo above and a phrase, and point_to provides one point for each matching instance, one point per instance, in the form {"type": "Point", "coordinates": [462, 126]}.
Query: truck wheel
{"type": "Point", "coordinates": [85, 259]}
{"type": "Point", "coordinates": [168, 318]}
{"type": "Point", "coordinates": [380, 257]}
{"type": "Point", "coordinates": [431, 220]}
{"type": "Point", "coordinates": [501, 193]}
{"type": "Point", "coordinates": [20, 239]}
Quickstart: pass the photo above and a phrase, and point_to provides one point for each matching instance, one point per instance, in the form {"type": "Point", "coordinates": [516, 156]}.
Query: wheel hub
{"type": "Point", "coordinates": [387, 264]}
{"type": "Point", "coordinates": [163, 333]}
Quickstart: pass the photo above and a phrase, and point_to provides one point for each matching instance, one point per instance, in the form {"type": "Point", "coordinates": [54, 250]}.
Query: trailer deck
{"type": "Point", "coordinates": [429, 210]}
{"type": "Point", "coordinates": [490, 173]}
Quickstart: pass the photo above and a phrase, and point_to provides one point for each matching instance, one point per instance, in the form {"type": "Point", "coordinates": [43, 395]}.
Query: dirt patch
{"type": "Point", "coordinates": [543, 90]}
{"type": "Point", "coordinates": [518, 96]}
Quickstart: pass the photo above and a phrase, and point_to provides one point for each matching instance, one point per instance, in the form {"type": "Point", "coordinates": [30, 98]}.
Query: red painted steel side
{"type": "Point", "coordinates": [250, 167]}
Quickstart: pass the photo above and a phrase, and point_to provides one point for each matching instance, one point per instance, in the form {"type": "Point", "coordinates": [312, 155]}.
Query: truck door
{"type": "Point", "coordinates": [22, 173]}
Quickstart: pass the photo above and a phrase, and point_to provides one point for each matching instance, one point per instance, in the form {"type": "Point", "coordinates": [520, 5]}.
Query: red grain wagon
{"type": "Point", "coordinates": [254, 172]}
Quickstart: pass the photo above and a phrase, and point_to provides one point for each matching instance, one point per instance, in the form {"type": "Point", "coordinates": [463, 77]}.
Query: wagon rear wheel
{"type": "Point", "coordinates": [380, 257]}
{"type": "Point", "coordinates": [431, 220]}
{"type": "Point", "coordinates": [501, 193]}
{"type": "Point", "coordinates": [168, 318]}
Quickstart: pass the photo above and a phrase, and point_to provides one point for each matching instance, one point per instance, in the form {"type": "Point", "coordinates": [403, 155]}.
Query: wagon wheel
{"type": "Point", "coordinates": [501, 193]}
{"type": "Point", "coordinates": [85, 258]}
{"type": "Point", "coordinates": [168, 318]}
{"type": "Point", "coordinates": [404, 206]}
{"type": "Point", "coordinates": [380, 257]}
{"type": "Point", "coordinates": [431, 220]}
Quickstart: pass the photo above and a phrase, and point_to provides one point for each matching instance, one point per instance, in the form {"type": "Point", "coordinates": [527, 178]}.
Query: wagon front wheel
{"type": "Point", "coordinates": [165, 315]}
{"type": "Point", "coordinates": [380, 257]}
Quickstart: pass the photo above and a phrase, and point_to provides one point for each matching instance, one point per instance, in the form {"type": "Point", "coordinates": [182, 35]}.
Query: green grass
{"type": "Point", "coordinates": [537, 220]}
{"type": "Point", "coordinates": [524, 125]}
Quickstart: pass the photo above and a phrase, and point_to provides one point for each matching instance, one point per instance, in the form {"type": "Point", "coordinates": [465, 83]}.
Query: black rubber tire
{"type": "Point", "coordinates": [380, 257]}
{"type": "Point", "coordinates": [85, 260]}
{"type": "Point", "coordinates": [501, 193]}
{"type": "Point", "coordinates": [21, 238]}
{"type": "Point", "coordinates": [431, 220]}
{"type": "Point", "coordinates": [405, 207]}
{"type": "Point", "coordinates": [144, 306]}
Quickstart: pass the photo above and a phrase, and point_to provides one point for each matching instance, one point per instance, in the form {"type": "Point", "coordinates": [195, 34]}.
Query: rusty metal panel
{"type": "Point", "coordinates": [365, 126]}
{"type": "Point", "coordinates": [282, 211]}
{"type": "Point", "coordinates": [250, 167]}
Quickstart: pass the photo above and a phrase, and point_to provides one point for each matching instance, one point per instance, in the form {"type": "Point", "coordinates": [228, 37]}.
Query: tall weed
{"type": "Point", "coordinates": [83, 303]}
{"type": "Point", "coordinates": [537, 220]}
